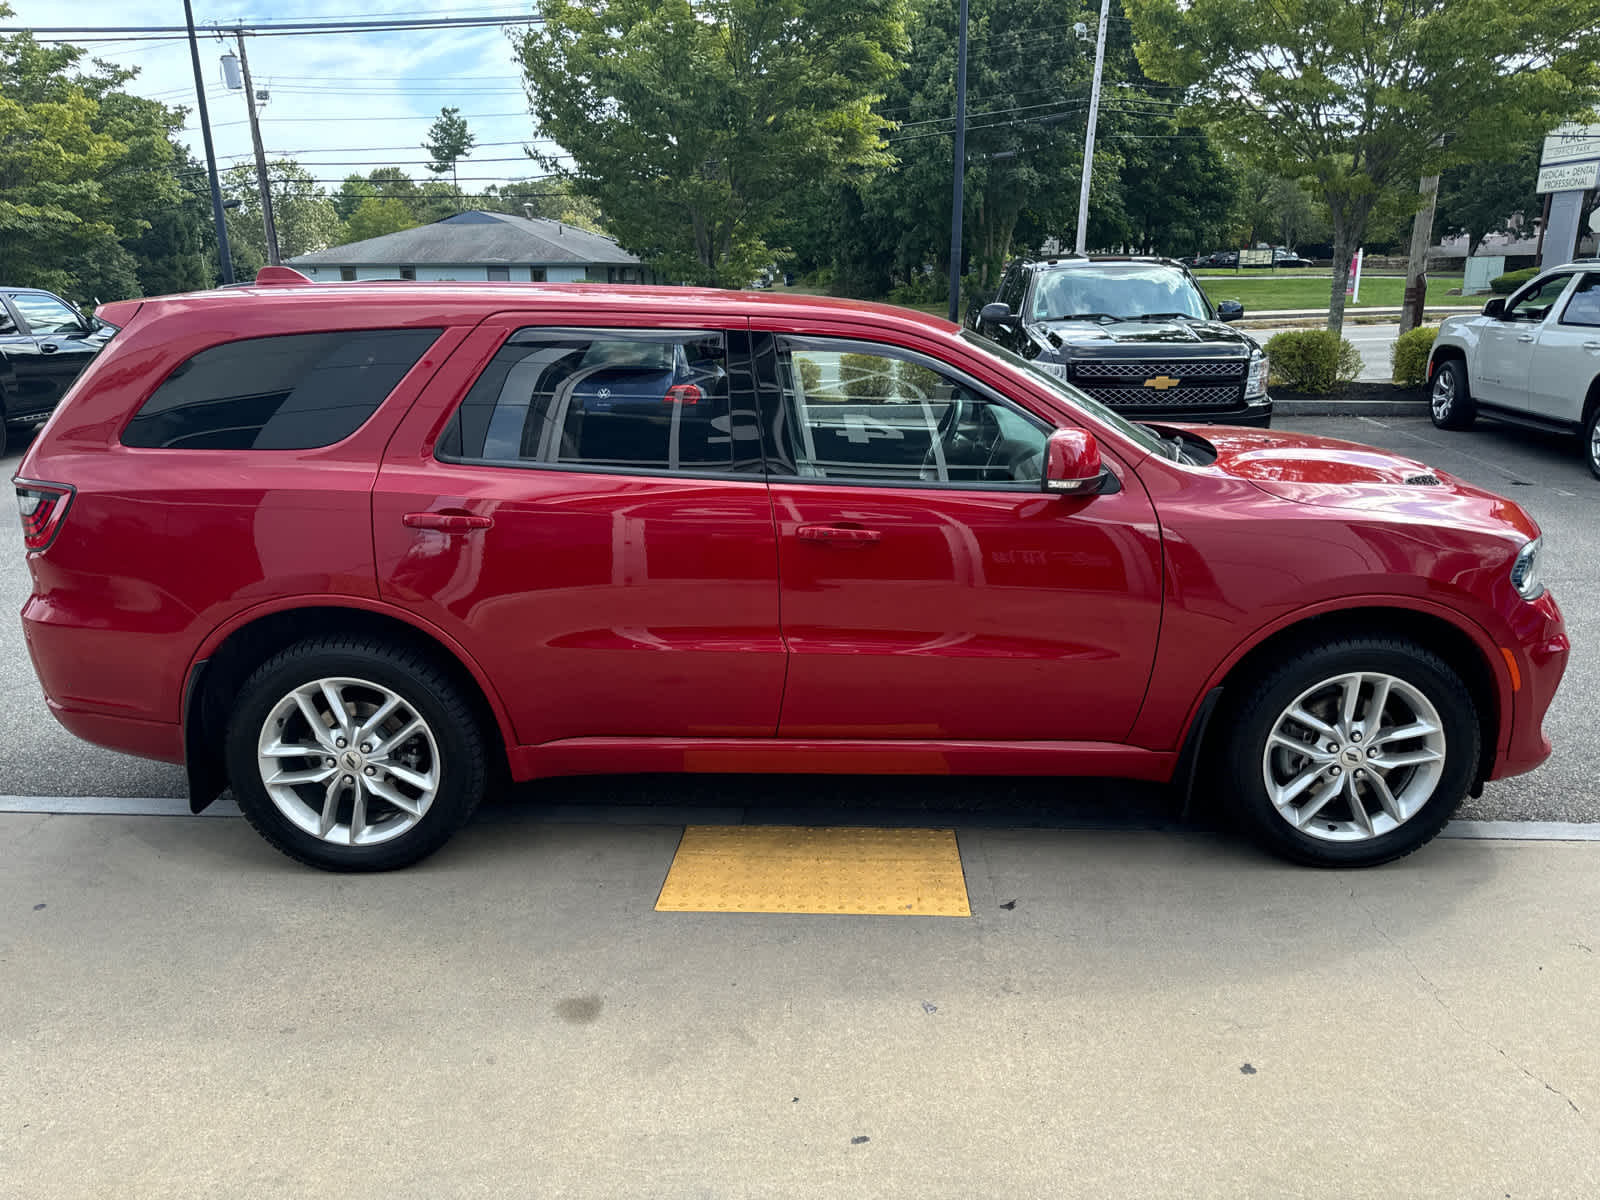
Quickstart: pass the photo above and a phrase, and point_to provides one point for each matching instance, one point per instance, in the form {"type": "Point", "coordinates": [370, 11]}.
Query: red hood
{"type": "Point", "coordinates": [1331, 473]}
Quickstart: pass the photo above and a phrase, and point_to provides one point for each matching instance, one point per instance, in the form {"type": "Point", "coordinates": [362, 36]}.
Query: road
{"type": "Point", "coordinates": [1545, 474]}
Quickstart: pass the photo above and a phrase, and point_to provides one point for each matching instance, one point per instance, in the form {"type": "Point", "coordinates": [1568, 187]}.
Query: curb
{"type": "Point", "coordinates": [1349, 408]}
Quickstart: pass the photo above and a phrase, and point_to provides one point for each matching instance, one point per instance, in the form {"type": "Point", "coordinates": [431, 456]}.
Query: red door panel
{"type": "Point", "coordinates": [601, 604]}
{"type": "Point", "coordinates": [968, 615]}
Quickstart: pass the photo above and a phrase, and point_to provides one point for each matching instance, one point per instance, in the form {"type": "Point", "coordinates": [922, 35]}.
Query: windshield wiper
{"type": "Point", "coordinates": [1170, 316]}
{"type": "Point", "coordinates": [1086, 316]}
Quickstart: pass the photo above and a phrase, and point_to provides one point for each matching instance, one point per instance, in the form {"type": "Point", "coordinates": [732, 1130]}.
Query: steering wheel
{"type": "Point", "coordinates": [963, 449]}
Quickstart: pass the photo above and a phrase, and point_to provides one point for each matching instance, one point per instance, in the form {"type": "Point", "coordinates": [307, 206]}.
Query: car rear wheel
{"type": "Point", "coordinates": [1450, 404]}
{"type": "Point", "coordinates": [1591, 442]}
{"type": "Point", "coordinates": [352, 755]}
{"type": "Point", "coordinates": [1352, 754]}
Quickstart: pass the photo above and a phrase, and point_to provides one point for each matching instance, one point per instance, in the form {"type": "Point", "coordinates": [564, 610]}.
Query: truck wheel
{"type": "Point", "coordinates": [1591, 442]}
{"type": "Point", "coordinates": [1352, 753]}
{"type": "Point", "coordinates": [353, 755]}
{"type": "Point", "coordinates": [1451, 404]}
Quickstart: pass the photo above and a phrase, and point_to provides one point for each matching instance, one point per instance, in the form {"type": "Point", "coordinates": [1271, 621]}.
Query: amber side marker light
{"type": "Point", "coordinates": [1511, 665]}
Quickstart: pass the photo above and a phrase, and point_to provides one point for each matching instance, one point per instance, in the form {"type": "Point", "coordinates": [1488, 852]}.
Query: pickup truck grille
{"type": "Point", "coordinates": [1200, 383]}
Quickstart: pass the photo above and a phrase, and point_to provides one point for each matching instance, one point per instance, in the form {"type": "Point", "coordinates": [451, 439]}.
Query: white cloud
{"type": "Point", "coordinates": [339, 103]}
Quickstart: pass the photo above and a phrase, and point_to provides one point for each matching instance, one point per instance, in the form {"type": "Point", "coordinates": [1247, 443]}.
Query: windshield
{"type": "Point", "coordinates": [1116, 291]}
{"type": "Point", "coordinates": [1137, 434]}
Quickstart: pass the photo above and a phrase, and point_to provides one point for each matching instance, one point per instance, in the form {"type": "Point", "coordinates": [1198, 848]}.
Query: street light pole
{"type": "Point", "coordinates": [961, 160]}
{"type": "Point", "coordinates": [211, 155]}
{"type": "Point", "coordinates": [268, 224]}
{"type": "Point", "coordinates": [1088, 137]}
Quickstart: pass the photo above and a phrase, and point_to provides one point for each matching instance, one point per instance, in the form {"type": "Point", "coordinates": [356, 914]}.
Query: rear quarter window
{"type": "Point", "coordinates": [292, 392]}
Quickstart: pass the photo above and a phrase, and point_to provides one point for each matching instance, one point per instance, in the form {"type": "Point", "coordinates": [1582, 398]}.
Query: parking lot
{"type": "Point", "coordinates": [1134, 1007]}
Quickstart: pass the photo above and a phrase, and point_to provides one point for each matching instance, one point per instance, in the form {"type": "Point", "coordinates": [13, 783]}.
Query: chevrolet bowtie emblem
{"type": "Point", "coordinates": [1161, 382]}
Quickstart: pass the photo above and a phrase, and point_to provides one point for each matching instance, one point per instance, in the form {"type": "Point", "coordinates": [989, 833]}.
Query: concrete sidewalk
{"type": "Point", "coordinates": [1125, 1014]}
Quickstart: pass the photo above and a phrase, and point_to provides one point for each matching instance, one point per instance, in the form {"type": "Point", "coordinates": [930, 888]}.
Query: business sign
{"type": "Point", "coordinates": [1571, 143]}
{"type": "Point", "coordinates": [1572, 177]}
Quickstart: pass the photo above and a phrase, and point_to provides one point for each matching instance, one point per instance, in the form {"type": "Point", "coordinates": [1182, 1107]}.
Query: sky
{"type": "Point", "coordinates": [340, 103]}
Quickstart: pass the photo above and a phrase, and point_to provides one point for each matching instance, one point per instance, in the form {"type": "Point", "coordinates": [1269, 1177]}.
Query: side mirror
{"type": "Point", "coordinates": [996, 314]}
{"type": "Point", "coordinates": [1495, 308]}
{"type": "Point", "coordinates": [1071, 462]}
{"type": "Point", "coordinates": [1230, 310]}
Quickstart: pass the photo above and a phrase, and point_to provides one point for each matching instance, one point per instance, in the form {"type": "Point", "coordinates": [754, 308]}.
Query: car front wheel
{"type": "Point", "coordinates": [352, 755]}
{"type": "Point", "coordinates": [1450, 404]}
{"type": "Point", "coordinates": [1353, 753]}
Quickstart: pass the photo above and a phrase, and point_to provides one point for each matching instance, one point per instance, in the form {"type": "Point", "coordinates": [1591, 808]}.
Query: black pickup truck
{"type": "Point", "coordinates": [1137, 334]}
{"type": "Point", "coordinates": [45, 343]}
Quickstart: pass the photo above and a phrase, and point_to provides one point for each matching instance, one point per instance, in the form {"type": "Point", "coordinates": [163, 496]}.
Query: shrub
{"type": "Point", "coordinates": [1409, 355]}
{"type": "Point", "coordinates": [1312, 360]}
{"type": "Point", "coordinates": [1504, 285]}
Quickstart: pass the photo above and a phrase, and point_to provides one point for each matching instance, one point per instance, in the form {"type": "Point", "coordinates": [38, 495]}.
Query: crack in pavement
{"type": "Point", "coordinates": [1438, 998]}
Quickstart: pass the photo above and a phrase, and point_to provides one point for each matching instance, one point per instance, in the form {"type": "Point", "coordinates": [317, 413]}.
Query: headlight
{"type": "Point", "coordinates": [1255, 386]}
{"type": "Point", "coordinates": [1525, 571]}
{"type": "Point", "coordinates": [1058, 369]}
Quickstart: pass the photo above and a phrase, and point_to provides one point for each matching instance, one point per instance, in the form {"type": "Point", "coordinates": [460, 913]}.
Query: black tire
{"type": "Point", "coordinates": [1591, 442]}
{"type": "Point", "coordinates": [1244, 760]}
{"type": "Point", "coordinates": [451, 745]}
{"type": "Point", "coordinates": [1450, 401]}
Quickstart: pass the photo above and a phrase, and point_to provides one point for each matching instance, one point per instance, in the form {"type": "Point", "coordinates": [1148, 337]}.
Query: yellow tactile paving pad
{"type": "Point", "coordinates": [800, 869]}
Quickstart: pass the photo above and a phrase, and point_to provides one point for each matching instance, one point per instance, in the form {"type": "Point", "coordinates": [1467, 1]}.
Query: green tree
{"type": "Point", "coordinates": [375, 218]}
{"type": "Point", "coordinates": [550, 199]}
{"type": "Point", "coordinates": [1362, 97]}
{"type": "Point", "coordinates": [1481, 198]}
{"type": "Point", "coordinates": [351, 193]}
{"type": "Point", "coordinates": [83, 168]}
{"type": "Point", "coordinates": [694, 125]}
{"type": "Point", "coordinates": [449, 141]}
{"type": "Point", "coordinates": [306, 219]}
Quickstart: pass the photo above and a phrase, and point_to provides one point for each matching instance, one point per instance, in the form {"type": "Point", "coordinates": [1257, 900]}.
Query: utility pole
{"type": "Point", "coordinates": [1088, 137]}
{"type": "Point", "coordinates": [1416, 295]}
{"type": "Point", "coordinates": [211, 155]}
{"type": "Point", "coordinates": [961, 160]}
{"type": "Point", "coordinates": [268, 224]}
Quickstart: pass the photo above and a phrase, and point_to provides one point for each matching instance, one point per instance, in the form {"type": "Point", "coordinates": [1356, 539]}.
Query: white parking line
{"type": "Point", "coordinates": [167, 806]}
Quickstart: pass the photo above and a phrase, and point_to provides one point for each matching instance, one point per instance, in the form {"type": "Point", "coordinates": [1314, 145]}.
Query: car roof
{"type": "Point", "coordinates": [460, 300]}
{"type": "Point", "coordinates": [1093, 260]}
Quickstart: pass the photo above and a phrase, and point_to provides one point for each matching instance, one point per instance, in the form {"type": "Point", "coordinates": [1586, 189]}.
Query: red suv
{"type": "Point", "coordinates": [358, 551]}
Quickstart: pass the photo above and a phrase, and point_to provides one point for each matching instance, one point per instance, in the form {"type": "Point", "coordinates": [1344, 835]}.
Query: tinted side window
{"type": "Point", "coordinates": [45, 314]}
{"type": "Point", "coordinates": [656, 400]}
{"type": "Point", "coordinates": [294, 392]}
{"type": "Point", "coordinates": [860, 413]}
{"type": "Point", "coordinates": [1012, 287]}
{"type": "Point", "coordinates": [1584, 307]}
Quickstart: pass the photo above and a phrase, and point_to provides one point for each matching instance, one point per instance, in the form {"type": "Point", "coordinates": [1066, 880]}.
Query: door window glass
{"type": "Point", "coordinates": [1534, 304]}
{"type": "Point", "coordinates": [654, 400]}
{"type": "Point", "coordinates": [862, 413]}
{"type": "Point", "coordinates": [1011, 289]}
{"type": "Point", "coordinates": [294, 392]}
{"type": "Point", "coordinates": [46, 315]}
{"type": "Point", "coordinates": [1584, 307]}
{"type": "Point", "coordinates": [7, 325]}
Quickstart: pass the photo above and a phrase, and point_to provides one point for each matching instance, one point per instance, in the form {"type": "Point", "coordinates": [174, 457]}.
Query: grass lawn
{"type": "Point", "coordinates": [1264, 293]}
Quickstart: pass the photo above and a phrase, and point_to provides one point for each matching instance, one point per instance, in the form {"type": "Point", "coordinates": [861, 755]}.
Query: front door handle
{"type": "Point", "coordinates": [1591, 345]}
{"type": "Point", "coordinates": [447, 522]}
{"type": "Point", "coordinates": [838, 535]}
{"type": "Point", "coordinates": [1524, 337]}
{"type": "Point", "coordinates": [48, 347]}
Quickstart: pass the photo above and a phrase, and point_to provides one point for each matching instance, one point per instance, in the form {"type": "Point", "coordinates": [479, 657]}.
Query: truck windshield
{"type": "Point", "coordinates": [1121, 291]}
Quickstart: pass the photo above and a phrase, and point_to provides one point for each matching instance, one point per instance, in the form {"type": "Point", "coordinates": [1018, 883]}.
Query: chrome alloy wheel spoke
{"type": "Point", "coordinates": [348, 761]}
{"type": "Point", "coordinates": [1354, 757]}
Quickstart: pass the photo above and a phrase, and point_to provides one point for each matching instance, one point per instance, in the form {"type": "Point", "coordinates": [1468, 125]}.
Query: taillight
{"type": "Point", "coordinates": [683, 393]}
{"type": "Point", "coordinates": [42, 506]}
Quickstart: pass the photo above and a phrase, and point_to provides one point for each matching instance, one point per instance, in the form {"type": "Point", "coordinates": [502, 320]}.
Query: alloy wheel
{"type": "Point", "coordinates": [1354, 757]}
{"type": "Point", "coordinates": [1444, 393]}
{"type": "Point", "coordinates": [348, 761]}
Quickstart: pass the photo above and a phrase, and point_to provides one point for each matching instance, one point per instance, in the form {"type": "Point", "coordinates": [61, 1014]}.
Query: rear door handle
{"type": "Point", "coordinates": [447, 522]}
{"type": "Point", "coordinates": [838, 535]}
{"type": "Point", "coordinates": [1524, 337]}
{"type": "Point", "coordinates": [1591, 345]}
{"type": "Point", "coordinates": [48, 347]}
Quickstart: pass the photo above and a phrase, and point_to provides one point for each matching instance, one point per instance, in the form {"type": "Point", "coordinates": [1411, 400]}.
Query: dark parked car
{"type": "Point", "coordinates": [45, 343]}
{"type": "Point", "coordinates": [366, 554]}
{"type": "Point", "coordinates": [1137, 334]}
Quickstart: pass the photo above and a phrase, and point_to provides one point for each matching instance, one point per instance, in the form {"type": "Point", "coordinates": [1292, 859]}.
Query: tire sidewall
{"type": "Point", "coordinates": [1591, 452]}
{"type": "Point", "coordinates": [1451, 418]}
{"type": "Point", "coordinates": [1260, 712]}
{"type": "Point", "coordinates": [429, 693]}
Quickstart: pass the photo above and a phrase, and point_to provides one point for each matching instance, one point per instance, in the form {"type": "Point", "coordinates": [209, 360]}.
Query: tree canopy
{"type": "Point", "coordinates": [448, 142]}
{"type": "Point", "coordinates": [693, 125]}
{"type": "Point", "coordinates": [1361, 97]}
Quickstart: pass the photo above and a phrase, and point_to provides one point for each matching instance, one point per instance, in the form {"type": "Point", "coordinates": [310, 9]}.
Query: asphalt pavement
{"type": "Point", "coordinates": [1543, 473]}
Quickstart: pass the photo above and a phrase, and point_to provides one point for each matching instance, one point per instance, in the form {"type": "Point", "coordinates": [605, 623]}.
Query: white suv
{"type": "Point", "coordinates": [1532, 359]}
